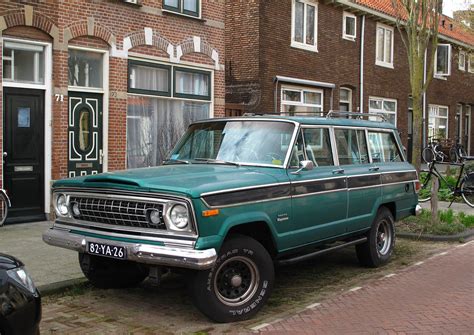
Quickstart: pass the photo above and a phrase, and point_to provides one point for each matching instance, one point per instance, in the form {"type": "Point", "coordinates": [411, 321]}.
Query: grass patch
{"type": "Point", "coordinates": [449, 223]}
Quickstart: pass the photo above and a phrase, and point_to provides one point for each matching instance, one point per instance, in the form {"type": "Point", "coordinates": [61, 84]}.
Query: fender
{"type": "Point", "coordinates": [9, 204]}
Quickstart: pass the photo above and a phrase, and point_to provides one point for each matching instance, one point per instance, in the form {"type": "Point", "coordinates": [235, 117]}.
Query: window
{"type": "Point", "coordinates": [438, 122]}
{"type": "Point", "coordinates": [318, 146]}
{"type": "Point", "coordinates": [349, 26]}
{"type": "Point", "coordinates": [23, 63]}
{"type": "Point", "coordinates": [386, 107]}
{"type": "Point", "coordinates": [470, 65]}
{"type": "Point", "coordinates": [159, 111]}
{"type": "Point", "coordinates": [85, 68]}
{"type": "Point", "coordinates": [149, 78]}
{"type": "Point", "coordinates": [383, 147]}
{"type": "Point", "coordinates": [345, 100]}
{"type": "Point", "coordinates": [304, 25]}
{"type": "Point", "coordinates": [384, 46]}
{"type": "Point", "coordinates": [351, 146]}
{"type": "Point", "coordinates": [462, 61]}
{"type": "Point", "coordinates": [187, 7]}
{"type": "Point", "coordinates": [296, 101]}
{"type": "Point", "coordinates": [443, 60]}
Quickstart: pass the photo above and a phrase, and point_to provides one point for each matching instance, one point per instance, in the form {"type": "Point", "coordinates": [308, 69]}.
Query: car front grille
{"type": "Point", "coordinates": [117, 212]}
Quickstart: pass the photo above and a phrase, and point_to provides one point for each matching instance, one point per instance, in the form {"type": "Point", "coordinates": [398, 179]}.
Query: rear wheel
{"type": "Point", "coordinates": [453, 155]}
{"type": "Point", "coordinates": [3, 208]}
{"type": "Point", "coordinates": [426, 181]}
{"type": "Point", "coordinates": [428, 155]}
{"type": "Point", "coordinates": [467, 189]}
{"type": "Point", "coordinates": [380, 241]}
{"type": "Point", "coordinates": [103, 272]}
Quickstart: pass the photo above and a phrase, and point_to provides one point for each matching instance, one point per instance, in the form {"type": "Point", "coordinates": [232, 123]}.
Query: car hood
{"type": "Point", "coordinates": [8, 262]}
{"type": "Point", "coordinates": [192, 180]}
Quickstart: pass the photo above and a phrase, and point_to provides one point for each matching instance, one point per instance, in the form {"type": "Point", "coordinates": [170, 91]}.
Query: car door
{"type": "Point", "coordinates": [363, 179]}
{"type": "Point", "coordinates": [319, 196]}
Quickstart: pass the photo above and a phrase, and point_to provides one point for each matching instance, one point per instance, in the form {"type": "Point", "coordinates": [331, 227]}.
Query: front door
{"type": "Point", "coordinates": [24, 153]}
{"type": "Point", "coordinates": [85, 134]}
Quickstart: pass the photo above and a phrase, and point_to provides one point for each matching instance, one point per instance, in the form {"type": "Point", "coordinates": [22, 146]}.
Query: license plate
{"type": "Point", "coordinates": [112, 251]}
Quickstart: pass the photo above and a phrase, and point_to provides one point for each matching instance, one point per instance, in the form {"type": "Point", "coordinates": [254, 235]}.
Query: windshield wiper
{"type": "Point", "coordinates": [176, 161]}
{"type": "Point", "coordinates": [215, 161]}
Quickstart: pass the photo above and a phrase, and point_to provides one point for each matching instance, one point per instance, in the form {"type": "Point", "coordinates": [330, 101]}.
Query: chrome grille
{"type": "Point", "coordinates": [117, 212]}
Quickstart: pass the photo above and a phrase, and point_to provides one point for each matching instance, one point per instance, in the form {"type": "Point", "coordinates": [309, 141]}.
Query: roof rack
{"type": "Point", "coordinates": [334, 113]}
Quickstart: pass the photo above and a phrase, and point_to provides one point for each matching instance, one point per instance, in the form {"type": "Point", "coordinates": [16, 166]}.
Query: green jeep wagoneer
{"type": "Point", "coordinates": [236, 197]}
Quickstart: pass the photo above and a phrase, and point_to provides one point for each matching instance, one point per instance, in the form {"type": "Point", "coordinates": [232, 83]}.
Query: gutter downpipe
{"type": "Point", "coordinates": [423, 124]}
{"type": "Point", "coordinates": [275, 80]}
{"type": "Point", "coordinates": [362, 40]}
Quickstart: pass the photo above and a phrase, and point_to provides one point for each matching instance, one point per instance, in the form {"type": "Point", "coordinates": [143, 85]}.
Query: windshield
{"type": "Point", "coordinates": [241, 142]}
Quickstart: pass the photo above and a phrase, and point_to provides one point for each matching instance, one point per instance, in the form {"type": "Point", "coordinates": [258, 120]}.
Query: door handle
{"type": "Point", "coordinates": [338, 171]}
{"type": "Point", "coordinates": [101, 156]}
{"type": "Point", "coordinates": [374, 168]}
{"type": "Point", "coordinates": [5, 154]}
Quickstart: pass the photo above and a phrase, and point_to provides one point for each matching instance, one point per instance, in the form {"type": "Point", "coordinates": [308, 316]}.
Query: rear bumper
{"type": "Point", "coordinates": [137, 252]}
{"type": "Point", "coordinates": [418, 210]}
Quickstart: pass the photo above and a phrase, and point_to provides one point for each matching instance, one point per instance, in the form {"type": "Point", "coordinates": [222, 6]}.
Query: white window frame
{"type": "Point", "coordinates": [105, 71]}
{"type": "Point", "coordinates": [442, 75]}
{"type": "Point", "coordinates": [384, 63]}
{"type": "Point", "coordinates": [470, 64]}
{"type": "Point", "coordinates": [344, 34]}
{"type": "Point", "coordinates": [468, 115]}
{"type": "Point", "coordinates": [439, 117]}
{"type": "Point", "coordinates": [382, 111]}
{"type": "Point", "coordinates": [303, 45]}
{"type": "Point", "coordinates": [300, 103]}
{"type": "Point", "coordinates": [346, 101]}
{"type": "Point", "coordinates": [27, 46]}
{"type": "Point", "coordinates": [462, 65]}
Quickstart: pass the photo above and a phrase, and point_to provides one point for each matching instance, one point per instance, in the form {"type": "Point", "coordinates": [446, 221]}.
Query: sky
{"type": "Point", "coordinates": [452, 5]}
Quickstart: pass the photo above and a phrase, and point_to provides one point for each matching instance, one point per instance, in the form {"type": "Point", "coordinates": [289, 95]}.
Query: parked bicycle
{"type": "Point", "coordinates": [464, 186]}
{"type": "Point", "coordinates": [433, 152]}
{"type": "Point", "coordinates": [4, 205]}
{"type": "Point", "coordinates": [457, 151]}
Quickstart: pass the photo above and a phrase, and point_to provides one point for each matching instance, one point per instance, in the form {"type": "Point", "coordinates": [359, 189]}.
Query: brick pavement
{"type": "Point", "coordinates": [435, 296]}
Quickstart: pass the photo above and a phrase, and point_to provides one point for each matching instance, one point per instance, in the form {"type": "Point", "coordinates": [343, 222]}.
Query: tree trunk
{"type": "Point", "coordinates": [417, 129]}
{"type": "Point", "coordinates": [434, 199]}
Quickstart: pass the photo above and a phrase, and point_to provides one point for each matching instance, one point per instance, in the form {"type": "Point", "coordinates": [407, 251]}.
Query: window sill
{"type": "Point", "coordinates": [349, 38]}
{"type": "Point", "coordinates": [440, 77]}
{"type": "Point", "coordinates": [172, 13]}
{"type": "Point", "coordinates": [312, 48]}
{"type": "Point", "coordinates": [387, 65]}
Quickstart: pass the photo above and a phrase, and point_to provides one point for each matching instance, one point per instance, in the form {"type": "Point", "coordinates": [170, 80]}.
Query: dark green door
{"type": "Point", "coordinates": [85, 134]}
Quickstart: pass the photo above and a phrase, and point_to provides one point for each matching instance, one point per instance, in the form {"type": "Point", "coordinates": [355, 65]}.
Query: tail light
{"type": "Point", "coordinates": [417, 186]}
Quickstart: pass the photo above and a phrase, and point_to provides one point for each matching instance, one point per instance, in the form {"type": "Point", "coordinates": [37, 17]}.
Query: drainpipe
{"type": "Point", "coordinates": [361, 88]}
{"type": "Point", "coordinates": [275, 80]}
{"type": "Point", "coordinates": [424, 101]}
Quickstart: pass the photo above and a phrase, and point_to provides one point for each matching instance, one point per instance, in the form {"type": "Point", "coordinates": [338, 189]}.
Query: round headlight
{"type": "Point", "coordinates": [154, 217]}
{"type": "Point", "coordinates": [75, 209]}
{"type": "Point", "coordinates": [61, 205]}
{"type": "Point", "coordinates": [179, 216]}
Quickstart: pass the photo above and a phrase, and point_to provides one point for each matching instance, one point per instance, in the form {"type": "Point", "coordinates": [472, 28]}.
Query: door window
{"type": "Point", "coordinates": [84, 131]}
{"type": "Point", "coordinates": [318, 146]}
{"type": "Point", "coordinates": [383, 147]}
{"type": "Point", "coordinates": [351, 146]}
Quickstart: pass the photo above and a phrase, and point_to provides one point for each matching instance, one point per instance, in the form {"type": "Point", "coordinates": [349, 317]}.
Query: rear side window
{"type": "Point", "coordinates": [318, 146]}
{"type": "Point", "coordinates": [351, 146]}
{"type": "Point", "coordinates": [383, 147]}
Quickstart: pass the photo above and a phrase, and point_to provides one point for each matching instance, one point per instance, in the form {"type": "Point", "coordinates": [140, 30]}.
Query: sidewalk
{"type": "Point", "coordinates": [456, 206]}
{"type": "Point", "coordinates": [435, 296]}
{"type": "Point", "coordinates": [47, 265]}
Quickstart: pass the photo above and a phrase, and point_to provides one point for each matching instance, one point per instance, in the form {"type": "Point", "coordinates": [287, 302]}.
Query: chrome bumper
{"type": "Point", "coordinates": [141, 253]}
{"type": "Point", "coordinates": [418, 210]}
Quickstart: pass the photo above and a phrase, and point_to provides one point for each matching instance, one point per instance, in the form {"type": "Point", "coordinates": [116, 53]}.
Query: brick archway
{"type": "Point", "coordinates": [198, 45]}
{"type": "Point", "coordinates": [28, 17]}
{"type": "Point", "coordinates": [88, 27]}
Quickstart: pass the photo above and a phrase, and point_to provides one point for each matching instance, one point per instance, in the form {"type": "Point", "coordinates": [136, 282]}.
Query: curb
{"type": "Point", "coordinates": [60, 286]}
{"type": "Point", "coordinates": [438, 238]}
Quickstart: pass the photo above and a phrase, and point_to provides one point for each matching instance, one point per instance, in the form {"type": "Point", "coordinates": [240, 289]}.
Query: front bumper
{"type": "Point", "coordinates": [142, 253]}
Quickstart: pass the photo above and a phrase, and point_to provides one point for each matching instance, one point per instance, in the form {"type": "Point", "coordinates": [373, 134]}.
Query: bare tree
{"type": "Point", "coordinates": [418, 22]}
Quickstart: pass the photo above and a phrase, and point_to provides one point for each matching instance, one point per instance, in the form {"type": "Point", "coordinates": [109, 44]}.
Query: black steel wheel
{"type": "Point", "coordinates": [467, 189]}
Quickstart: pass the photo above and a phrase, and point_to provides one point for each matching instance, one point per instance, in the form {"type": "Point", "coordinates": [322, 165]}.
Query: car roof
{"type": "Point", "coordinates": [310, 120]}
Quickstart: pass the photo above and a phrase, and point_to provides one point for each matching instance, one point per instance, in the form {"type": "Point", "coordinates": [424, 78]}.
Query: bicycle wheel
{"type": "Point", "coordinates": [426, 181]}
{"type": "Point", "coordinates": [428, 155]}
{"type": "Point", "coordinates": [453, 155]}
{"type": "Point", "coordinates": [467, 189]}
{"type": "Point", "coordinates": [439, 155]}
{"type": "Point", "coordinates": [3, 208]}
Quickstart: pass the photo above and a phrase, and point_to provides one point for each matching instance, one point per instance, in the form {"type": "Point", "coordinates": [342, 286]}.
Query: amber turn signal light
{"type": "Point", "coordinates": [210, 212]}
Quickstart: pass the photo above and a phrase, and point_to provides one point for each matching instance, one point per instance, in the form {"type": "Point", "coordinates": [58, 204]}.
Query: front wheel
{"type": "Point", "coordinates": [453, 155]}
{"type": "Point", "coordinates": [378, 248]}
{"type": "Point", "coordinates": [103, 272]}
{"type": "Point", "coordinates": [426, 181]}
{"type": "Point", "coordinates": [3, 208]}
{"type": "Point", "coordinates": [428, 155]}
{"type": "Point", "coordinates": [238, 285]}
{"type": "Point", "coordinates": [467, 189]}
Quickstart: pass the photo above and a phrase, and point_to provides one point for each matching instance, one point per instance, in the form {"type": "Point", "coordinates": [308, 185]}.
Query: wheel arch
{"type": "Point", "coordinates": [259, 231]}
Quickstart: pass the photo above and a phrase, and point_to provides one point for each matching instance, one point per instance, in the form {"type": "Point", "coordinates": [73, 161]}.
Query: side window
{"type": "Point", "coordinates": [351, 146]}
{"type": "Point", "coordinates": [297, 154]}
{"type": "Point", "coordinates": [318, 146]}
{"type": "Point", "coordinates": [383, 147]}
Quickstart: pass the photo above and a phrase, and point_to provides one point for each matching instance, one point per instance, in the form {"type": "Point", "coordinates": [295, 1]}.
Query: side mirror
{"type": "Point", "coordinates": [304, 166]}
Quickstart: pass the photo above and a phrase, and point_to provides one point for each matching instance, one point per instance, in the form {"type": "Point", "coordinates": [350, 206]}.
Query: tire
{"type": "Point", "coordinates": [3, 209]}
{"type": "Point", "coordinates": [238, 285]}
{"type": "Point", "coordinates": [467, 189]}
{"type": "Point", "coordinates": [428, 155]}
{"type": "Point", "coordinates": [380, 241]}
{"type": "Point", "coordinates": [426, 182]}
{"type": "Point", "coordinates": [103, 272]}
{"type": "Point", "coordinates": [453, 155]}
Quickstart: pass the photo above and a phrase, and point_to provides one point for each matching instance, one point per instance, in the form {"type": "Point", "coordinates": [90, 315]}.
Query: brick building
{"type": "Point", "coordinates": [311, 56]}
{"type": "Point", "coordinates": [93, 86]}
